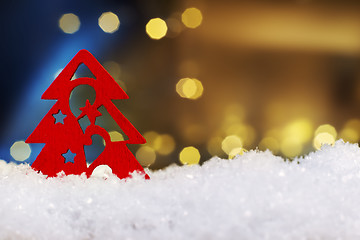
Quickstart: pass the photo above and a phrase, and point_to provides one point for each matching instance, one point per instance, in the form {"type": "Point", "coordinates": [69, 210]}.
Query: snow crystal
{"type": "Point", "coordinates": [254, 196]}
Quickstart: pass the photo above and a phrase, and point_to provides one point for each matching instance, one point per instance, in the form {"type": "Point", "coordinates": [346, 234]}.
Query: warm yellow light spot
{"type": "Point", "coordinates": [115, 136]}
{"type": "Point", "coordinates": [236, 151]}
{"type": "Point", "coordinates": [323, 138]}
{"type": "Point", "coordinates": [164, 144]}
{"type": "Point", "coordinates": [190, 88]}
{"type": "Point", "coordinates": [192, 17]}
{"type": "Point", "coordinates": [291, 147]}
{"type": "Point", "coordinates": [269, 143]}
{"type": "Point", "coordinates": [146, 155]}
{"type": "Point", "coordinates": [243, 131]}
{"type": "Point", "coordinates": [302, 129]}
{"type": "Point", "coordinates": [349, 135]}
{"type": "Point", "coordinates": [214, 146]}
{"type": "Point", "coordinates": [231, 142]}
{"type": "Point", "coordinates": [156, 28]}
{"type": "Point", "coordinates": [189, 155]}
{"type": "Point", "coordinates": [109, 22]}
{"type": "Point", "coordinates": [326, 128]}
{"type": "Point", "coordinates": [20, 151]}
{"type": "Point", "coordinates": [113, 68]}
{"type": "Point", "coordinates": [150, 137]}
{"type": "Point", "coordinates": [69, 23]}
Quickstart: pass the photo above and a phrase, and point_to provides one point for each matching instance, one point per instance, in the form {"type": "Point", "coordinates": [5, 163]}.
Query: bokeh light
{"type": "Point", "coordinates": [243, 131]}
{"type": "Point", "coordinates": [231, 142]}
{"type": "Point", "coordinates": [235, 152]}
{"type": "Point", "coordinates": [115, 136]}
{"type": "Point", "coordinates": [146, 156]}
{"type": "Point", "coordinates": [156, 28]}
{"type": "Point", "coordinates": [269, 143]}
{"type": "Point", "coordinates": [192, 17]}
{"type": "Point", "coordinates": [189, 155]}
{"type": "Point", "coordinates": [326, 128]}
{"type": "Point", "coordinates": [109, 22]}
{"type": "Point", "coordinates": [69, 23]}
{"type": "Point", "coordinates": [349, 135]}
{"type": "Point", "coordinates": [323, 138]}
{"type": "Point", "coordinates": [190, 88]}
{"type": "Point", "coordinates": [291, 147]}
{"type": "Point", "coordinates": [164, 144]}
{"type": "Point", "coordinates": [214, 146]}
{"type": "Point", "coordinates": [302, 129]}
{"type": "Point", "coordinates": [151, 137]}
{"type": "Point", "coordinates": [20, 151]}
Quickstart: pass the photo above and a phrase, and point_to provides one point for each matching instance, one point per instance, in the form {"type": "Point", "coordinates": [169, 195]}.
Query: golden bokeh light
{"type": "Point", "coordinates": [113, 68]}
{"type": "Point", "coordinates": [323, 138]}
{"type": "Point", "coordinates": [244, 131]}
{"type": "Point", "coordinates": [302, 129]}
{"type": "Point", "coordinates": [326, 128]}
{"type": "Point", "coordinates": [146, 156]}
{"type": "Point", "coordinates": [231, 142]}
{"type": "Point", "coordinates": [235, 152]}
{"type": "Point", "coordinates": [192, 17]}
{"type": "Point", "coordinates": [69, 23]}
{"type": "Point", "coordinates": [150, 137]}
{"type": "Point", "coordinates": [189, 155]}
{"type": "Point", "coordinates": [190, 88]}
{"type": "Point", "coordinates": [349, 135]}
{"type": "Point", "coordinates": [115, 136]}
{"type": "Point", "coordinates": [164, 144]}
{"type": "Point", "coordinates": [214, 146]}
{"type": "Point", "coordinates": [156, 28]}
{"type": "Point", "coordinates": [109, 22]}
{"type": "Point", "coordinates": [20, 151]}
{"type": "Point", "coordinates": [291, 147]}
{"type": "Point", "coordinates": [269, 143]}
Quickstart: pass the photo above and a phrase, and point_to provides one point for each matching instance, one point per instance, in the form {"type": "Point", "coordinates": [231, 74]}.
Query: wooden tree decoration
{"type": "Point", "coordinates": [61, 132]}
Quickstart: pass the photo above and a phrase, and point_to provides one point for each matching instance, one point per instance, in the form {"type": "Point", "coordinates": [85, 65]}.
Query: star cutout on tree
{"type": "Point", "coordinates": [59, 117]}
{"type": "Point", "coordinates": [69, 156]}
{"type": "Point", "coordinates": [89, 110]}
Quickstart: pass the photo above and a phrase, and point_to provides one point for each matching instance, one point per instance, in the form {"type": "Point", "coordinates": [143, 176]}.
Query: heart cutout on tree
{"type": "Point", "coordinates": [93, 151]}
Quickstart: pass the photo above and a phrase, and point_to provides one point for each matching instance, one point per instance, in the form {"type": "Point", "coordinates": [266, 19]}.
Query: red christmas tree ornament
{"type": "Point", "coordinates": [61, 132]}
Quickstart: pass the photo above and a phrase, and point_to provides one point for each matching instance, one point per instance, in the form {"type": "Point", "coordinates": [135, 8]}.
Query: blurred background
{"type": "Point", "coordinates": [205, 78]}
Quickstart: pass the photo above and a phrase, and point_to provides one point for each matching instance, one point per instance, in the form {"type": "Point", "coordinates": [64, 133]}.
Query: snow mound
{"type": "Point", "coordinates": [254, 196]}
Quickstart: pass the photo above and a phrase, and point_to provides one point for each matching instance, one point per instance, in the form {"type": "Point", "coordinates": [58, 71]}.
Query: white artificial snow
{"type": "Point", "coordinates": [254, 196]}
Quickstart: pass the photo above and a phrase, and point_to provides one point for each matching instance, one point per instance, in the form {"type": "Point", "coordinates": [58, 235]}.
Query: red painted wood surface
{"type": "Point", "coordinates": [60, 136]}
